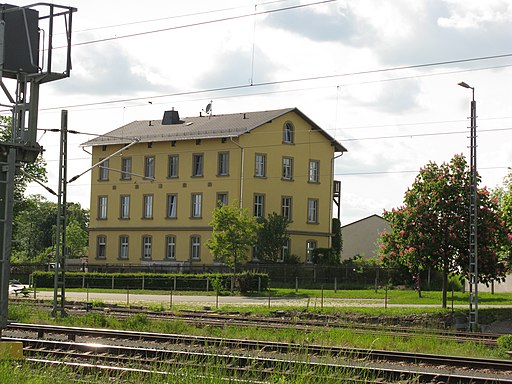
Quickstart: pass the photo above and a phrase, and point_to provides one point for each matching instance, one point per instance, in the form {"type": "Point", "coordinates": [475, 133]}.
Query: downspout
{"type": "Point", "coordinates": [331, 206]}
{"type": "Point", "coordinates": [241, 170]}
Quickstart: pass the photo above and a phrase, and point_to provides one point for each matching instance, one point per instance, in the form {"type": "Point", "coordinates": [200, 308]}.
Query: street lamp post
{"type": "Point", "coordinates": [473, 220]}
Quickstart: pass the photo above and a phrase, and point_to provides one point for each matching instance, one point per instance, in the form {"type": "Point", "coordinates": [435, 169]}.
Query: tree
{"type": "Point", "coordinates": [26, 172]}
{"type": "Point", "coordinates": [272, 236]}
{"type": "Point", "coordinates": [503, 195]}
{"type": "Point", "coordinates": [431, 229]}
{"type": "Point", "coordinates": [337, 239]}
{"type": "Point", "coordinates": [34, 231]}
{"type": "Point", "coordinates": [234, 230]}
{"type": "Point", "coordinates": [76, 239]}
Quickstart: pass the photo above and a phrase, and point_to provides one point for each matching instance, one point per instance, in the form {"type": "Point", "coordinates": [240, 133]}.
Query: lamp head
{"type": "Point", "coordinates": [463, 84]}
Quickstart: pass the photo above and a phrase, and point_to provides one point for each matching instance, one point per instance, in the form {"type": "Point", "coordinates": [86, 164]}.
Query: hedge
{"type": "Point", "coordinates": [244, 282]}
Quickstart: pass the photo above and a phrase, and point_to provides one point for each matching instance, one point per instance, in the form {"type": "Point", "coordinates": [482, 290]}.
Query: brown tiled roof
{"type": "Point", "coordinates": [200, 127]}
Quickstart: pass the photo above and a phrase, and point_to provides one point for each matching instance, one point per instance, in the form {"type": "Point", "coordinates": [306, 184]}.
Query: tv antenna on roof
{"type": "Point", "coordinates": [208, 109]}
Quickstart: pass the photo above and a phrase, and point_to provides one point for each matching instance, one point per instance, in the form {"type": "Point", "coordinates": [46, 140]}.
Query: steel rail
{"type": "Point", "coordinates": [269, 346]}
{"type": "Point", "coordinates": [258, 365]}
{"type": "Point", "coordinates": [216, 319]}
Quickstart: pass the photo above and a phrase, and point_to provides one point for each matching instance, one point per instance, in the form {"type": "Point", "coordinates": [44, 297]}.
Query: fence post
{"type": "Point", "coordinates": [322, 300]}
{"type": "Point", "coordinates": [112, 281]}
{"type": "Point", "coordinates": [207, 284]}
{"type": "Point", "coordinates": [35, 290]}
{"type": "Point", "coordinates": [174, 283]}
{"type": "Point", "coordinates": [143, 282]}
{"type": "Point", "coordinates": [259, 283]}
{"type": "Point", "coordinates": [335, 284]}
{"type": "Point", "coordinates": [170, 300]}
{"type": "Point", "coordinates": [296, 284]}
{"type": "Point", "coordinates": [83, 281]}
{"type": "Point", "coordinates": [128, 296]}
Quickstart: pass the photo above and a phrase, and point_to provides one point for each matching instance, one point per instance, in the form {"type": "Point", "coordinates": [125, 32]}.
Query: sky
{"type": "Point", "coordinates": [379, 76]}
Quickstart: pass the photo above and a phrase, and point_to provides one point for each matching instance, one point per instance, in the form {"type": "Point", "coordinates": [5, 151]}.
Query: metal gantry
{"type": "Point", "coordinates": [26, 59]}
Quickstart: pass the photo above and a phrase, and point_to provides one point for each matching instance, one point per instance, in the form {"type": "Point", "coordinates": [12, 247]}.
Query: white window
{"type": "Point", "coordinates": [222, 199]}
{"type": "Point", "coordinates": [104, 170]}
{"type": "Point", "coordinates": [123, 247]}
{"type": "Point", "coordinates": [148, 207]}
{"type": "Point", "coordinates": [287, 168]}
{"type": "Point", "coordinates": [146, 247]}
{"type": "Point", "coordinates": [260, 165]}
{"type": "Point", "coordinates": [314, 166]}
{"type": "Point", "coordinates": [125, 207]}
{"type": "Point", "coordinates": [286, 207]}
{"type": "Point", "coordinates": [126, 168]}
{"type": "Point", "coordinates": [288, 133]}
{"type": "Point", "coordinates": [310, 247]}
{"type": "Point", "coordinates": [196, 204]}
{"type": "Point", "coordinates": [259, 205]}
{"type": "Point", "coordinates": [173, 168]}
{"type": "Point", "coordinates": [197, 164]}
{"type": "Point", "coordinates": [285, 251]}
{"type": "Point", "coordinates": [102, 207]}
{"type": "Point", "coordinates": [149, 167]}
{"type": "Point", "coordinates": [172, 206]}
{"type": "Point", "coordinates": [312, 210]}
{"type": "Point", "coordinates": [195, 248]}
{"type": "Point", "coordinates": [223, 164]}
{"type": "Point", "coordinates": [101, 250]}
{"type": "Point", "coordinates": [170, 250]}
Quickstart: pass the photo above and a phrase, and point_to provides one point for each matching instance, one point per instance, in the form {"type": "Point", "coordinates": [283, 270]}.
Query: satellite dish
{"type": "Point", "coordinates": [209, 107]}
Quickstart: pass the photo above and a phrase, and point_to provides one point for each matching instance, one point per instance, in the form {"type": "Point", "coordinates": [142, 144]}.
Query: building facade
{"type": "Point", "coordinates": [361, 238]}
{"type": "Point", "coordinates": [157, 183]}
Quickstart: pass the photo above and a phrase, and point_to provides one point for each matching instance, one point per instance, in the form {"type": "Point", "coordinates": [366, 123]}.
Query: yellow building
{"type": "Point", "coordinates": [153, 194]}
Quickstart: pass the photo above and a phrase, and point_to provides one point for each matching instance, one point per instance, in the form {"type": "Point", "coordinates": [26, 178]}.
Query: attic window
{"type": "Point", "coordinates": [150, 144]}
{"type": "Point", "coordinates": [103, 148]}
{"type": "Point", "coordinates": [173, 143]}
{"type": "Point", "coordinates": [198, 141]}
{"type": "Point", "coordinates": [224, 139]}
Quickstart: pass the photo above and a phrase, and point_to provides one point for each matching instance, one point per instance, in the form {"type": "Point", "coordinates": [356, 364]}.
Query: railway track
{"type": "Point", "coordinates": [281, 319]}
{"type": "Point", "coordinates": [244, 357]}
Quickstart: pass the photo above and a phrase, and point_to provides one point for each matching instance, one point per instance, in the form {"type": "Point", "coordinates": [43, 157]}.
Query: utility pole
{"type": "Point", "coordinates": [473, 220]}
{"type": "Point", "coordinates": [59, 282]}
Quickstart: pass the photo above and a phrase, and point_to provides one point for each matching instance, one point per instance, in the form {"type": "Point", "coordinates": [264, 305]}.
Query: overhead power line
{"type": "Point", "coordinates": [252, 14]}
{"type": "Point", "coordinates": [278, 82]}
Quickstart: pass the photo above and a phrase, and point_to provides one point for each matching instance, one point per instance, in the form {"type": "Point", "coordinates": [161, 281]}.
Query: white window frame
{"type": "Point", "coordinates": [126, 168]}
{"type": "Point", "coordinates": [288, 133]}
{"type": "Point", "coordinates": [287, 169]}
{"type": "Point", "coordinates": [222, 199]}
{"type": "Point", "coordinates": [124, 207]}
{"type": "Point", "coordinates": [101, 247]}
{"type": "Point", "coordinates": [286, 207]}
{"type": "Point", "coordinates": [314, 171]}
{"type": "Point", "coordinates": [260, 165]}
{"type": "Point", "coordinates": [195, 247]}
{"type": "Point", "coordinates": [197, 164]}
{"type": "Point", "coordinates": [197, 202]}
{"type": "Point", "coordinates": [104, 168]}
{"type": "Point", "coordinates": [173, 166]}
{"type": "Point", "coordinates": [170, 247]}
{"type": "Point", "coordinates": [147, 247]}
{"type": "Point", "coordinates": [313, 211]}
{"type": "Point", "coordinates": [124, 247]}
{"type": "Point", "coordinates": [102, 207]}
{"type": "Point", "coordinates": [311, 245]}
{"type": "Point", "coordinates": [147, 212]}
{"type": "Point", "coordinates": [172, 206]}
{"type": "Point", "coordinates": [149, 167]}
{"type": "Point", "coordinates": [223, 164]}
{"type": "Point", "coordinates": [285, 250]}
{"type": "Point", "coordinates": [259, 205]}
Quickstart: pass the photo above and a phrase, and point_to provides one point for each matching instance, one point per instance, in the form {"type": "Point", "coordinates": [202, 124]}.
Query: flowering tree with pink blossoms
{"type": "Point", "coordinates": [431, 229]}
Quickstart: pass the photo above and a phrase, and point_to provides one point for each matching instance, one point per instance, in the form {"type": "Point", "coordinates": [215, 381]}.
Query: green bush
{"type": "Point", "coordinates": [505, 342]}
{"type": "Point", "coordinates": [247, 281]}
